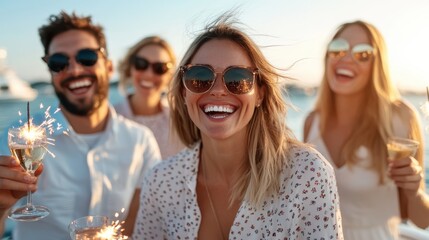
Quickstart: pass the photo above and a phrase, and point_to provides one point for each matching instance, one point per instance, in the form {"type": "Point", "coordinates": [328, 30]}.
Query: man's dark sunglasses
{"type": "Point", "coordinates": [86, 57]}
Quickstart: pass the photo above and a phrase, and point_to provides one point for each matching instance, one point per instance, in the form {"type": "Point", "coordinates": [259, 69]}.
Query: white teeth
{"type": "Point", "coordinates": [80, 84]}
{"type": "Point", "coordinates": [227, 109]}
{"type": "Point", "coordinates": [146, 84]}
{"type": "Point", "coordinates": [345, 72]}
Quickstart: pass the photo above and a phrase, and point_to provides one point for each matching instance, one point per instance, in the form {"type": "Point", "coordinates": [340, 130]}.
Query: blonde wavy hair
{"type": "Point", "coordinates": [268, 138]}
{"type": "Point", "coordinates": [125, 64]}
{"type": "Point", "coordinates": [383, 102]}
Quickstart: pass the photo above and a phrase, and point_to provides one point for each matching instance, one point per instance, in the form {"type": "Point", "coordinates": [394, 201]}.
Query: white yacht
{"type": "Point", "coordinates": [12, 88]}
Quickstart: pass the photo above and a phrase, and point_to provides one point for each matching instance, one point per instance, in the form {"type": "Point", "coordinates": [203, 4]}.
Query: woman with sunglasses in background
{"type": "Point", "coordinates": [244, 175]}
{"type": "Point", "coordinates": [357, 110]}
{"type": "Point", "coordinates": [145, 73]}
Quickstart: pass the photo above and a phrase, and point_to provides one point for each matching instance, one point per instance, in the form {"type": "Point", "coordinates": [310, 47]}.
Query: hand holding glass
{"type": "Point", "coordinates": [28, 146]}
{"type": "Point", "coordinates": [398, 148]}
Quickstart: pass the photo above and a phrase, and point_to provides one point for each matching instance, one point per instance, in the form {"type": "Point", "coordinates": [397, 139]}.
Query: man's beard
{"type": "Point", "coordinates": [82, 109]}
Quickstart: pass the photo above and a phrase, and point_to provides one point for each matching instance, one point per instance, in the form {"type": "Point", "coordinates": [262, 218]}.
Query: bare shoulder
{"type": "Point", "coordinates": [405, 109]}
{"type": "Point", "coordinates": [307, 124]}
{"type": "Point", "coordinates": [310, 117]}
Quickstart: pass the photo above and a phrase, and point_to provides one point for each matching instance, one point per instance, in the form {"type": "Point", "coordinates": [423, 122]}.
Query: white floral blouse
{"type": "Point", "coordinates": [306, 207]}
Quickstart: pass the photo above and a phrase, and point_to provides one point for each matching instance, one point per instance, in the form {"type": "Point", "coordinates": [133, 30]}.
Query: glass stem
{"type": "Point", "coordinates": [29, 199]}
{"type": "Point", "coordinates": [29, 204]}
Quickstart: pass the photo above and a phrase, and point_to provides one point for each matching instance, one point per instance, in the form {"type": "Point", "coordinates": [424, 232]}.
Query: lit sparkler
{"type": "Point", "coordinates": [97, 228]}
{"type": "Point", "coordinates": [28, 116]}
{"type": "Point", "coordinates": [31, 133]}
{"type": "Point", "coordinates": [31, 130]}
{"type": "Point", "coordinates": [114, 230]}
{"type": "Point", "coordinates": [49, 120]}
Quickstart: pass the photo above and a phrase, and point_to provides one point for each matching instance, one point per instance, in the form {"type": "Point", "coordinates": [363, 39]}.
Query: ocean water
{"type": "Point", "coordinates": [302, 102]}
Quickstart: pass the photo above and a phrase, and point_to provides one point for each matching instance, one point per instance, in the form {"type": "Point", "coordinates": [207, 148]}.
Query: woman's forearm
{"type": "Point", "coordinates": [418, 208]}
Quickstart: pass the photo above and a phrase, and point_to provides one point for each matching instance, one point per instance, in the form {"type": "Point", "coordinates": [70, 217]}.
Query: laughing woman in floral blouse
{"type": "Point", "coordinates": [244, 175]}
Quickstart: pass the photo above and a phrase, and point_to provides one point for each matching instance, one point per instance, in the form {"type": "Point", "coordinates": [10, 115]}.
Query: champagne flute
{"type": "Point", "coordinates": [398, 148]}
{"type": "Point", "coordinates": [28, 145]}
{"type": "Point", "coordinates": [89, 227]}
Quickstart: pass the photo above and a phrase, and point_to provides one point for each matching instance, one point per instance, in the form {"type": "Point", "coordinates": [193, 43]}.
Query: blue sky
{"type": "Point", "coordinates": [299, 29]}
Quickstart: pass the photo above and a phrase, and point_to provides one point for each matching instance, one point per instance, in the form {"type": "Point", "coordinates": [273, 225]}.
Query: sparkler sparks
{"type": "Point", "coordinates": [114, 231]}
{"type": "Point", "coordinates": [49, 120]}
{"type": "Point", "coordinates": [32, 131]}
{"type": "Point", "coordinates": [97, 228]}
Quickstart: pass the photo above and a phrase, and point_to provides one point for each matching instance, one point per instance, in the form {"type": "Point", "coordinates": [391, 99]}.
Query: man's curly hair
{"type": "Point", "coordinates": [63, 22]}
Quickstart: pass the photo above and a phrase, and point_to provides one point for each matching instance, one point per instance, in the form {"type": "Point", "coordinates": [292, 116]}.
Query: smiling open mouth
{"type": "Point", "coordinates": [344, 72]}
{"type": "Point", "coordinates": [147, 84]}
{"type": "Point", "coordinates": [79, 85]}
{"type": "Point", "coordinates": [219, 111]}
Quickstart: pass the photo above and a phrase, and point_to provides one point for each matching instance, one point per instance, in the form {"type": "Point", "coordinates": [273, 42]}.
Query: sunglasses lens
{"type": "Point", "coordinates": [198, 79]}
{"type": "Point", "coordinates": [87, 57]}
{"type": "Point", "coordinates": [160, 68]}
{"type": "Point", "coordinates": [362, 52]}
{"type": "Point", "coordinates": [140, 63]}
{"type": "Point", "coordinates": [238, 80]}
{"type": "Point", "coordinates": [338, 48]}
{"type": "Point", "coordinates": [57, 62]}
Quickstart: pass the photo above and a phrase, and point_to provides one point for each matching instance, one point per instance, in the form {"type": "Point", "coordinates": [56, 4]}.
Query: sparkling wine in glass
{"type": "Point", "coordinates": [398, 148]}
{"type": "Point", "coordinates": [28, 145]}
{"type": "Point", "coordinates": [89, 228]}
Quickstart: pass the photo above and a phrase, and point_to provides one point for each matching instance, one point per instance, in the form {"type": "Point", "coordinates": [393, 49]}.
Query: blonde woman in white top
{"type": "Point", "coordinates": [357, 110]}
{"type": "Point", "coordinates": [244, 175]}
{"type": "Point", "coordinates": [145, 72]}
